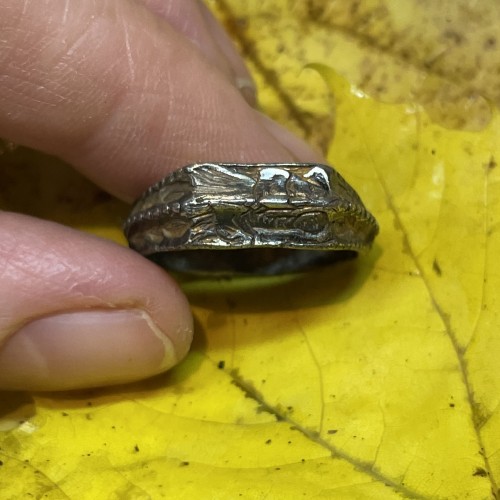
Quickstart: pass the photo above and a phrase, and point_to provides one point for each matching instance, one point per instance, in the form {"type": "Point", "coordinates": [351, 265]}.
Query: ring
{"type": "Point", "coordinates": [221, 218]}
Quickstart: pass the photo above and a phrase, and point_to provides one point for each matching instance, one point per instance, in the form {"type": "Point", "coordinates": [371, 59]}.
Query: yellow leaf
{"type": "Point", "coordinates": [376, 378]}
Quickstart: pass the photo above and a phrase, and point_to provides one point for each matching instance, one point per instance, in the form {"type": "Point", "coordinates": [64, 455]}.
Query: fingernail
{"type": "Point", "coordinates": [247, 90]}
{"type": "Point", "coordinates": [88, 349]}
{"type": "Point", "coordinates": [297, 147]}
{"type": "Point", "coordinates": [241, 76]}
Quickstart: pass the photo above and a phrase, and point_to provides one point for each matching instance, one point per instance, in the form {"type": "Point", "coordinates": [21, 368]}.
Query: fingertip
{"type": "Point", "coordinates": [84, 349]}
{"type": "Point", "coordinates": [80, 311]}
{"type": "Point", "coordinates": [176, 334]}
{"type": "Point", "coordinates": [298, 149]}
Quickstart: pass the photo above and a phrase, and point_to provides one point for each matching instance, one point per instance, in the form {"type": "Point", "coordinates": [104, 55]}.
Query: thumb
{"type": "Point", "coordinates": [78, 311]}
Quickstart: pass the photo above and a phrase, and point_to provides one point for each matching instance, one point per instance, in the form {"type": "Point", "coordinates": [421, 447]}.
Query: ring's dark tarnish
{"type": "Point", "coordinates": [218, 218]}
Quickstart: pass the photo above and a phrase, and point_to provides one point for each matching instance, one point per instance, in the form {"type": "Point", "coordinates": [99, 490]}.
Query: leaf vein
{"type": "Point", "coordinates": [362, 466]}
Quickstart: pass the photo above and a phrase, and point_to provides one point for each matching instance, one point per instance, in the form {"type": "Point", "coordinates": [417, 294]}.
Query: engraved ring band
{"type": "Point", "coordinates": [221, 218]}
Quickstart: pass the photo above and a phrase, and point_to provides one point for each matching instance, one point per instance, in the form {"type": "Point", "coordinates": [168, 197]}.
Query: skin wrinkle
{"type": "Point", "coordinates": [120, 94]}
{"type": "Point", "coordinates": [18, 267]}
{"type": "Point", "coordinates": [76, 45]}
{"type": "Point", "coordinates": [62, 284]}
{"type": "Point", "coordinates": [57, 42]}
{"type": "Point", "coordinates": [130, 56]}
{"type": "Point", "coordinates": [65, 12]}
{"type": "Point", "coordinates": [109, 125]}
{"type": "Point", "coordinates": [152, 88]}
{"type": "Point", "coordinates": [81, 277]}
{"type": "Point", "coordinates": [185, 17]}
{"type": "Point", "coordinates": [94, 122]}
{"type": "Point", "coordinates": [78, 56]}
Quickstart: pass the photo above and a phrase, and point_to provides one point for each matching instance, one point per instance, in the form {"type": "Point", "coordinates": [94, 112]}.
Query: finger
{"type": "Point", "coordinates": [78, 311]}
{"type": "Point", "coordinates": [114, 90]}
{"type": "Point", "coordinates": [193, 19]}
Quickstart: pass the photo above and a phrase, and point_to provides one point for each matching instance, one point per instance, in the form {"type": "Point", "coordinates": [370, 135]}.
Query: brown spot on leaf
{"type": "Point", "coordinates": [480, 472]}
{"type": "Point", "coordinates": [490, 43]}
{"type": "Point", "coordinates": [491, 163]}
{"type": "Point", "coordinates": [436, 267]}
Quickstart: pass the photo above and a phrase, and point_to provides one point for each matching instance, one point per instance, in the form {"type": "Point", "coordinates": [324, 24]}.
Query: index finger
{"type": "Point", "coordinates": [117, 92]}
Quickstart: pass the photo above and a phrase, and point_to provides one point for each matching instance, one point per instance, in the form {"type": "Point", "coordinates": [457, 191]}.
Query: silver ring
{"type": "Point", "coordinates": [221, 218]}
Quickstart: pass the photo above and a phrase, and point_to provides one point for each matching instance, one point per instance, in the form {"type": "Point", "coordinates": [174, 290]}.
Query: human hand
{"type": "Point", "coordinates": [126, 91]}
